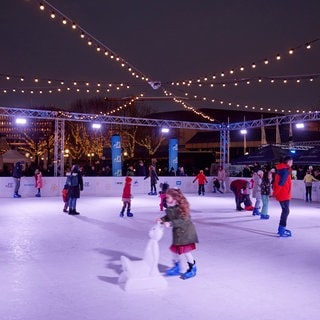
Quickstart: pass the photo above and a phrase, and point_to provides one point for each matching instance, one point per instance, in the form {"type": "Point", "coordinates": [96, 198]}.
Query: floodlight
{"type": "Point", "coordinates": [243, 131]}
{"type": "Point", "coordinates": [96, 125]}
{"type": "Point", "coordinates": [21, 121]}
{"type": "Point", "coordinates": [164, 130]}
{"type": "Point", "coordinates": [300, 125]}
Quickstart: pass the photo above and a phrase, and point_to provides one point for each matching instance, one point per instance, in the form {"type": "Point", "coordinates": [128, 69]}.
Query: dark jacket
{"type": "Point", "coordinates": [153, 176]}
{"type": "Point", "coordinates": [17, 170]}
{"type": "Point", "coordinates": [183, 230]}
{"type": "Point", "coordinates": [265, 187]}
{"type": "Point", "coordinates": [74, 182]}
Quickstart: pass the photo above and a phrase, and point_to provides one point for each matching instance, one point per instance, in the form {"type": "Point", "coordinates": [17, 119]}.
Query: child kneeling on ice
{"type": "Point", "coordinates": [184, 235]}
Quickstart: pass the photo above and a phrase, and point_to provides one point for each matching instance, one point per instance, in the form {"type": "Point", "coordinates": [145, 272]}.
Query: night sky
{"type": "Point", "coordinates": [168, 41]}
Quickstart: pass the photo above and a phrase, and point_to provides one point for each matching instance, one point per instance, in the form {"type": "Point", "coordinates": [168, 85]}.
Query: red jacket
{"type": "Point", "coordinates": [201, 178]}
{"type": "Point", "coordinates": [126, 193]}
{"type": "Point", "coordinates": [238, 185]}
{"type": "Point", "coordinates": [282, 182]}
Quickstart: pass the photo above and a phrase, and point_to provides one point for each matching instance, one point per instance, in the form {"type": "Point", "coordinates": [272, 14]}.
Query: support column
{"type": "Point", "coordinates": [224, 145]}
{"type": "Point", "coordinates": [58, 162]}
{"type": "Point", "coordinates": [173, 154]}
{"type": "Point", "coordinates": [116, 156]}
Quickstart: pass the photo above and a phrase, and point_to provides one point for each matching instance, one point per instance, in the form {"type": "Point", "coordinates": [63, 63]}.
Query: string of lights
{"type": "Point", "coordinates": [55, 83]}
{"type": "Point", "coordinates": [97, 45]}
{"type": "Point", "coordinates": [55, 14]}
{"type": "Point", "coordinates": [91, 41]}
{"type": "Point", "coordinates": [62, 89]}
{"type": "Point", "coordinates": [253, 107]}
{"type": "Point", "coordinates": [254, 65]}
{"type": "Point", "coordinates": [250, 80]}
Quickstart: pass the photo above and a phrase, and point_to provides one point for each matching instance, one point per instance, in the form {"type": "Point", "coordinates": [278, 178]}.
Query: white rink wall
{"type": "Point", "coordinates": [112, 186]}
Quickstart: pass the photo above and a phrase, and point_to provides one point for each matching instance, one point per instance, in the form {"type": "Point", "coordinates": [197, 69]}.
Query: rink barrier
{"type": "Point", "coordinates": [112, 186]}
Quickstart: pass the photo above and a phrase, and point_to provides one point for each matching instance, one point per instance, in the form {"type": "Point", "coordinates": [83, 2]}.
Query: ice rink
{"type": "Point", "coordinates": [60, 267]}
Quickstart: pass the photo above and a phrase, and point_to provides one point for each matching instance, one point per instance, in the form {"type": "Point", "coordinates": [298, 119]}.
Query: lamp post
{"type": "Point", "coordinates": [90, 155]}
{"type": "Point", "coordinates": [244, 133]}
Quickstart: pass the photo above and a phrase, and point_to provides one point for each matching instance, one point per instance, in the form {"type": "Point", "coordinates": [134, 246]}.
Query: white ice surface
{"type": "Point", "coordinates": [54, 266]}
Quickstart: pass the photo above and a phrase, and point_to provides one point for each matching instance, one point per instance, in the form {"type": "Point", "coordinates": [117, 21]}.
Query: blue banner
{"type": "Point", "coordinates": [116, 156]}
{"type": "Point", "coordinates": [173, 154]}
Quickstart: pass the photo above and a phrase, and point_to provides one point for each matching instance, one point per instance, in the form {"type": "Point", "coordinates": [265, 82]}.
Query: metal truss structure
{"type": "Point", "coordinates": [60, 117]}
{"type": "Point", "coordinates": [59, 147]}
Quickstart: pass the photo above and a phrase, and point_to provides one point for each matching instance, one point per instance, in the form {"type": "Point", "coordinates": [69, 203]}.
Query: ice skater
{"type": "Point", "coordinates": [216, 185]}
{"type": "Point", "coordinates": [153, 180]}
{"type": "Point", "coordinates": [202, 179]}
{"type": "Point", "coordinates": [282, 193]}
{"type": "Point", "coordinates": [265, 194]}
{"type": "Point", "coordinates": [126, 198]}
{"type": "Point", "coordinates": [184, 235]}
{"type": "Point", "coordinates": [38, 181]}
{"type": "Point", "coordinates": [162, 194]}
{"type": "Point", "coordinates": [17, 174]}
{"type": "Point", "coordinates": [256, 192]}
{"type": "Point", "coordinates": [308, 179]}
{"type": "Point", "coordinates": [75, 185]}
{"type": "Point", "coordinates": [241, 190]}
{"type": "Point", "coordinates": [65, 198]}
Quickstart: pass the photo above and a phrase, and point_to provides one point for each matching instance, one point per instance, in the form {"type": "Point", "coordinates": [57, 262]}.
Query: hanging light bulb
{"type": "Point", "coordinates": [291, 51]}
{"type": "Point", "coordinates": [52, 15]}
{"type": "Point", "coordinates": [278, 56]}
{"type": "Point", "coordinates": [41, 6]}
{"type": "Point", "coordinates": [64, 21]}
{"type": "Point", "coordinates": [74, 26]}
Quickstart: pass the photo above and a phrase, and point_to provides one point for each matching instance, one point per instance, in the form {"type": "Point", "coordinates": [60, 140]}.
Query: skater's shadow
{"type": "Point", "coordinates": [111, 227]}
{"type": "Point", "coordinates": [237, 227]}
{"type": "Point", "coordinates": [113, 263]}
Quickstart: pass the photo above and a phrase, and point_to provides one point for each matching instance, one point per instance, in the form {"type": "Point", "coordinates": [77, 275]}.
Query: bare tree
{"type": "Point", "coordinates": [38, 146]}
{"type": "Point", "coordinates": [151, 139]}
{"type": "Point", "coordinates": [81, 141]}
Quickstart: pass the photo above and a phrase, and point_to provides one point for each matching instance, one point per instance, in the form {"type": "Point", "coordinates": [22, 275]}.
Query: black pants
{"type": "Point", "coordinates": [284, 213]}
{"type": "Point", "coordinates": [308, 193]}
{"type": "Point", "coordinates": [201, 189]}
{"type": "Point", "coordinates": [126, 205]}
{"type": "Point", "coordinates": [238, 198]}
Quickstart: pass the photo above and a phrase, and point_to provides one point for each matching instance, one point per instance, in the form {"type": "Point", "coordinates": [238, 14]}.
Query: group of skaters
{"type": "Point", "coordinates": [265, 183]}
{"type": "Point", "coordinates": [177, 216]}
